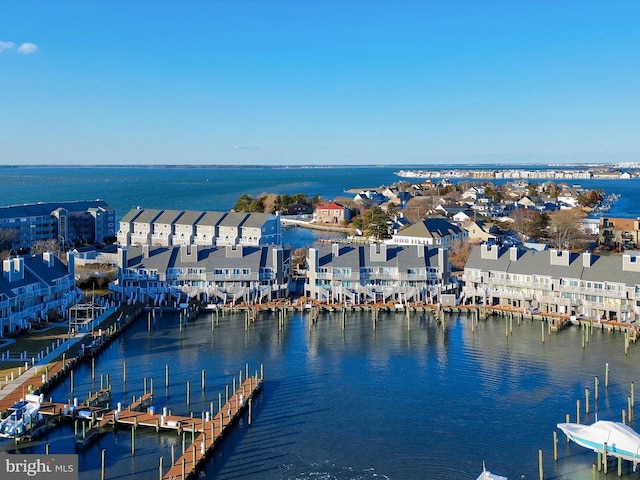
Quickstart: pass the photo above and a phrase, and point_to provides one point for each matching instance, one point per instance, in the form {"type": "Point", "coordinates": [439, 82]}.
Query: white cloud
{"type": "Point", "coordinates": [6, 46]}
{"type": "Point", "coordinates": [27, 48]}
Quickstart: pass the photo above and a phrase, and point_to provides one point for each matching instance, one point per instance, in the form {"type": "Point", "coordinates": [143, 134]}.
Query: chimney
{"type": "Point", "coordinates": [586, 259]}
{"type": "Point", "coordinates": [335, 249]}
{"type": "Point", "coordinates": [145, 251]}
{"type": "Point", "coordinates": [489, 252]}
{"type": "Point", "coordinates": [559, 257]}
{"type": "Point", "coordinates": [234, 251]}
{"type": "Point", "coordinates": [514, 253]}
{"type": "Point", "coordinates": [421, 249]}
{"type": "Point", "coordinates": [443, 262]}
{"type": "Point", "coordinates": [13, 269]}
{"type": "Point", "coordinates": [313, 262]}
{"type": "Point", "coordinates": [188, 253]}
{"type": "Point", "coordinates": [49, 259]}
{"type": "Point", "coordinates": [630, 263]}
{"type": "Point", "coordinates": [378, 252]}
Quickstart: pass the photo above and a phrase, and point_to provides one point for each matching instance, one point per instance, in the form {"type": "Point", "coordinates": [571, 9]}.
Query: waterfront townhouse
{"type": "Point", "coordinates": [229, 228]}
{"type": "Point", "coordinates": [178, 227]}
{"type": "Point", "coordinates": [261, 229]}
{"type": "Point", "coordinates": [230, 274]}
{"type": "Point", "coordinates": [556, 281]}
{"type": "Point", "coordinates": [358, 274]}
{"type": "Point", "coordinates": [143, 226]}
{"type": "Point", "coordinates": [91, 221]}
{"type": "Point", "coordinates": [184, 228]}
{"type": "Point", "coordinates": [163, 227]}
{"type": "Point", "coordinates": [207, 228]}
{"type": "Point", "coordinates": [125, 229]}
{"type": "Point", "coordinates": [619, 232]}
{"type": "Point", "coordinates": [32, 287]}
{"type": "Point", "coordinates": [433, 231]}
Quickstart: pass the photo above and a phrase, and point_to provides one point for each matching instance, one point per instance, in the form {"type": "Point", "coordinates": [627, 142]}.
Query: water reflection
{"type": "Point", "coordinates": [406, 399]}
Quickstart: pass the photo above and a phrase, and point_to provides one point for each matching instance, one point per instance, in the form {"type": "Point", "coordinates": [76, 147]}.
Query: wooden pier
{"type": "Point", "coordinates": [210, 432]}
{"type": "Point", "coordinates": [206, 432]}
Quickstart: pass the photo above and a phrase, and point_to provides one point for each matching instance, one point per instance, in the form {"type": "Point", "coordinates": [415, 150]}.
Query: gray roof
{"type": "Point", "coordinates": [45, 208]}
{"type": "Point", "coordinates": [358, 256]}
{"type": "Point", "coordinates": [147, 216]}
{"type": "Point", "coordinates": [257, 220]}
{"type": "Point", "coordinates": [35, 271]}
{"type": "Point", "coordinates": [233, 219]}
{"type": "Point", "coordinates": [211, 218]}
{"type": "Point", "coordinates": [163, 258]}
{"type": "Point", "coordinates": [530, 262]}
{"type": "Point", "coordinates": [168, 216]}
{"type": "Point", "coordinates": [436, 227]}
{"type": "Point", "coordinates": [189, 217]}
{"type": "Point", "coordinates": [131, 215]}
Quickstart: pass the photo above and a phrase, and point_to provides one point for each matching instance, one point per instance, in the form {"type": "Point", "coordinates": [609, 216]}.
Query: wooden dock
{"type": "Point", "coordinates": [206, 432]}
{"type": "Point", "coordinates": [211, 432]}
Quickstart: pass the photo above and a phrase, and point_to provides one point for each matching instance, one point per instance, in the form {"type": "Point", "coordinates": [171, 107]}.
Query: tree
{"type": "Point", "coordinates": [7, 237]}
{"type": "Point", "coordinates": [374, 223]}
{"type": "Point", "coordinates": [418, 208]}
{"type": "Point", "coordinates": [459, 254]}
{"type": "Point", "coordinates": [243, 203]}
{"type": "Point", "coordinates": [529, 223]}
{"type": "Point", "coordinates": [565, 227]}
{"type": "Point", "coordinates": [42, 246]}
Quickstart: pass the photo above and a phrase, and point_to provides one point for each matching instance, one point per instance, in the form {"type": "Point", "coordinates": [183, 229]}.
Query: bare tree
{"type": "Point", "coordinates": [459, 254]}
{"type": "Point", "coordinates": [7, 237]}
{"type": "Point", "coordinates": [42, 246]}
{"type": "Point", "coordinates": [565, 227]}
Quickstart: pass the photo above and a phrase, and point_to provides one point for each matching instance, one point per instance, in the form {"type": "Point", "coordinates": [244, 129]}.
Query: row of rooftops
{"type": "Point", "coordinates": [556, 264]}
{"type": "Point", "coordinates": [196, 217]}
{"type": "Point", "coordinates": [28, 270]}
{"type": "Point", "coordinates": [163, 258]}
{"type": "Point", "coordinates": [44, 209]}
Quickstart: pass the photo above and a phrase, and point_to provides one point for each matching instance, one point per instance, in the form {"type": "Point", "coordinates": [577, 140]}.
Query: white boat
{"type": "Point", "coordinates": [621, 440]}
{"type": "Point", "coordinates": [22, 418]}
{"type": "Point", "coordinates": [487, 475]}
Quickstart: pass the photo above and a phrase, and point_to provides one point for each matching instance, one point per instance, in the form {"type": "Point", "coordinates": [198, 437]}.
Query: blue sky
{"type": "Point", "coordinates": [318, 82]}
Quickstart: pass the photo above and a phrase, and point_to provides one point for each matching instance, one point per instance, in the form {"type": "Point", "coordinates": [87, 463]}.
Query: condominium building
{"type": "Point", "coordinates": [230, 274]}
{"type": "Point", "coordinates": [375, 273]}
{"type": "Point", "coordinates": [31, 287]}
{"type": "Point", "coordinates": [81, 222]}
{"type": "Point", "coordinates": [555, 281]}
{"type": "Point", "coordinates": [189, 227]}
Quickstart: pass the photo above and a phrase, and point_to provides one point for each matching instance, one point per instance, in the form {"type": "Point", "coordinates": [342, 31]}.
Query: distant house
{"type": "Point", "coordinates": [436, 232]}
{"type": "Point", "coordinates": [481, 232]}
{"type": "Point", "coordinates": [332, 213]}
{"type": "Point", "coordinates": [298, 209]}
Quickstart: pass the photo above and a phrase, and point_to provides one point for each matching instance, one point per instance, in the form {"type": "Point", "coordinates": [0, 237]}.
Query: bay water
{"type": "Point", "coordinates": [409, 398]}
{"type": "Point", "coordinates": [406, 399]}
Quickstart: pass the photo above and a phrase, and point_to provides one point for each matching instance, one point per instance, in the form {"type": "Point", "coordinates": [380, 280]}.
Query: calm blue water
{"type": "Point", "coordinates": [393, 403]}
{"type": "Point", "coordinates": [217, 188]}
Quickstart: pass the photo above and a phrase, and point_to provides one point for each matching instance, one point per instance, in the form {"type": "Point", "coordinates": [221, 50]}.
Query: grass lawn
{"type": "Point", "coordinates": [32, 343]}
